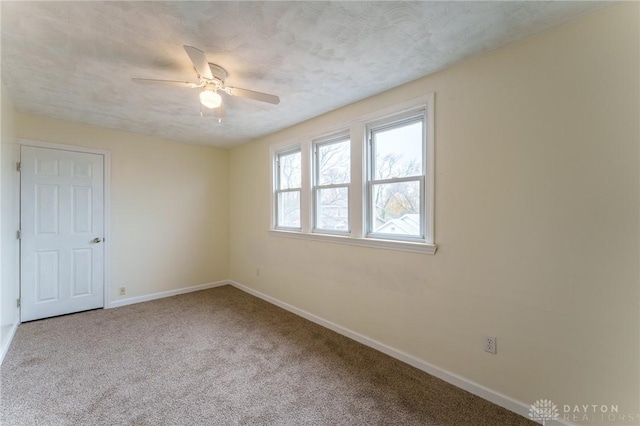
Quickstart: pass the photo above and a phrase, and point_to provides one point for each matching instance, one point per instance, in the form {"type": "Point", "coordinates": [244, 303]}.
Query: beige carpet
{"type": "Point", "coordinates": [217, 357]}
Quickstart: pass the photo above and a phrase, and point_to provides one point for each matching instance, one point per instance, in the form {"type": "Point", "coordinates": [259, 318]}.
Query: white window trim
{"type": "Point", "coordinates": [340, 137]}
{"type": "Point", "coordinates": [275, 179]}
{"type": "Point", "coordinates": [357, 197]}
{"type": "Point", "coordinates": [377, 243]}
{"type": "Point", "coordinates": [418, 114]}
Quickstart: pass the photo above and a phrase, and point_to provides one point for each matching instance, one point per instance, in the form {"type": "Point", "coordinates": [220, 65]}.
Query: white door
{"type": "Point", "coordinates": [62, 232]}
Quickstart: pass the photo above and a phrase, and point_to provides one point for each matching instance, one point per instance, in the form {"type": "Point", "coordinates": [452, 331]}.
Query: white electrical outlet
{"type": "Point", "coordinates": [257, 272]}
{"type": "Point", "coordinates": [490, 343]}
{"type": "Point", "coordinates": [123, 291]}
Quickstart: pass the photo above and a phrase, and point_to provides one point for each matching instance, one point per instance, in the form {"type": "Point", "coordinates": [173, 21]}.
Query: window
{"type": "Point", "coordinates": [396, 178]}
{"type": "Point", "coordinates": [332, 176]}
{"type": "Point", "coordinates": [368, 183]}
{"type": "Point", "coordinates": [288, 189]}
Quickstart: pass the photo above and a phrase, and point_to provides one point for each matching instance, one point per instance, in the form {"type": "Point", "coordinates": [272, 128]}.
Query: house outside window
{"type": "Point", "coordinates": [369, 182]}
{"type": "Point", "coordinates": [396, 177]}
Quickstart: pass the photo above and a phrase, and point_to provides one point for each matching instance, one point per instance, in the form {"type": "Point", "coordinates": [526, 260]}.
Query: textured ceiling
{"type": "Point", "coordinates": [75, 60]}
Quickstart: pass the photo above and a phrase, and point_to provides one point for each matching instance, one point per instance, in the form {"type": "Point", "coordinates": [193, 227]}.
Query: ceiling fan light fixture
{"type": "Point", "coordinates": [211, 80]}
{"type": "Point", "coordinates": [210, 99]}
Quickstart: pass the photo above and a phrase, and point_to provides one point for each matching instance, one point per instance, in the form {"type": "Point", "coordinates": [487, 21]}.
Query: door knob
{"type": "Point", "coordinates": [97, 240]}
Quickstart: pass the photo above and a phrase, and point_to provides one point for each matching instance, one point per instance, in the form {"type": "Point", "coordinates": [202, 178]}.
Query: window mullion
{"type": "Point", "coordinates": [423, 208]}
{"type": "Point", "coordinates": [306, 220]}
{"type": "Point", "coordinates": [356, 191]}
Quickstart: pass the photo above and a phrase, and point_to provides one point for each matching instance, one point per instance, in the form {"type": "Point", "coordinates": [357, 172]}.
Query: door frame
{"type": "Point", "coordinates": [106, 155]}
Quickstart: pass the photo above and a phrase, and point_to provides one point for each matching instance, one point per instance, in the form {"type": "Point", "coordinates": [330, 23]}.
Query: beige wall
{"type": "Point", "coordinates": [9, 248]}
{"type": "Point", "coordinates": [537, 222]}
{"type": "Point", "coordinates": [169, 206]}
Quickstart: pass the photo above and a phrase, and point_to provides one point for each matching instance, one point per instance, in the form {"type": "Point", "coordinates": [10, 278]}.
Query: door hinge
{"type": "Point", "coordinates": [17, 303]}
{"type": "Point", "coordinates": [19, 234]}
{"type": "Point", "coordinates": [18, 166]}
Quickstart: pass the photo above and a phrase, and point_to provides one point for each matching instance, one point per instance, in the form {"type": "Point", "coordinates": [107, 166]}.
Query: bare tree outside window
{"type": "Point", "coordinates": [396, 187]}
{"type": "Point", "coordinates": [290, 167]}
{"type": "Point", "coordinates": [331, 188]}
{"type": "Point", "coordinates": [370, 183]}
{"type": "Point", "coordinates": [396, 199]}
{"type": "Point", "coordinates": [289, 185]}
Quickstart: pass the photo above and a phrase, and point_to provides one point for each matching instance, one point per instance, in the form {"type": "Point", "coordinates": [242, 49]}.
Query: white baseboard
{"type": "Point", "coordinates": [477, 389]}
{"type": "Point", "coordinates": [7, 342]}
{"type": "Point", "coordinates": [497, 398]}
{"type": "Point", "coordinates": [123, 302]}
{"type": "Point", "coordinates": [163, 294]}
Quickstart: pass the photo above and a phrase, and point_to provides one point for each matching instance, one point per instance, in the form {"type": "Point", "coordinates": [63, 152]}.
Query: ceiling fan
{"type": "Point", "coordinates": [211, 79]}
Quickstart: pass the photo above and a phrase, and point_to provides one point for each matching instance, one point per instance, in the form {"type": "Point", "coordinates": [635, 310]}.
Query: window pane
{"type": "Point", "coordinates": [289, 209]}
{"type": "Point", "coordinates": [334, 163]}
{"type": "Point", "coordinates": [289, 170]}
{"type": "Point", "coordinates": [333, 209]}
{"type": "Point", "coordinates": [398, 151]}
{"type": "Point", "coordinates": [396, 208]}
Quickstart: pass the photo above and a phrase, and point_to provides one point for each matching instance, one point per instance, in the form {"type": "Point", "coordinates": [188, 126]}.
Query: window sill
{"type": "Point", "coordinates": [360, 242]}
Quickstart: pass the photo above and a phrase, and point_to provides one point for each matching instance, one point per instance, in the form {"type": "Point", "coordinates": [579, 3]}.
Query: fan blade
{"type": "Point", "coordinates": [199, 60]}
{"type": "Point", "coordinates": [250, 94]}
{"type": "Point", "coordinates": [165, 82]}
